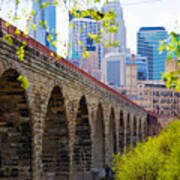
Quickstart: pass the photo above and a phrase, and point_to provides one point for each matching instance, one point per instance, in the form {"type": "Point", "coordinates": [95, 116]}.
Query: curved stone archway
{"type": "Point", "coordinates": [121, 132]}
{"type": "Point", "coordinates": [82, 144]}
{"type": "Point", "coordinates": [128, 131]}
{"type": "Point", "coordinates": [55, 156]}
{"type": "Point", "coordinates": [99, 140]}
{"type": "Point", "coordinates": [15, 129]}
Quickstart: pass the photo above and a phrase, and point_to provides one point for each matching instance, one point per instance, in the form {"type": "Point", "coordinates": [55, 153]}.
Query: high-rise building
{"type": "Point", "coordinates": [91, 65]}
{"type": "Point", "coordinates": [142, 65]}
{"type": "Point", "coordinates": [79, 37]}
{"type": "Point", "coordinates": [113, 70]}
{"type": "Point", "coordinates": [46, 15]}
{"type": "Point", "coordinates": [120, 36]}
{"type": "Point", "coordinates": [147, 45]}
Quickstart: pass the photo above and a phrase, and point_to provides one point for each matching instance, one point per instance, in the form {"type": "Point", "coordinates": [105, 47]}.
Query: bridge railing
{"type": "Point", "coordinates": [47, 52]}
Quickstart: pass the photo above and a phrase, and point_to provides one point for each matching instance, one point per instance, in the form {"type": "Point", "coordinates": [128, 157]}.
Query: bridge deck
{"type": "Point", "coordinates": [47, 52]}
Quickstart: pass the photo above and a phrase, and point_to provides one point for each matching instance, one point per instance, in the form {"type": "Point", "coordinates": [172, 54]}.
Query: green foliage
{"type": "Point", "coordinates": [156, 159]}
{"type": "Point", "coordinates": [24, 81]}
{"type": "Point", "coordinates": [8, 39]}
{"type": "Point", "coordinates": [172, 46]}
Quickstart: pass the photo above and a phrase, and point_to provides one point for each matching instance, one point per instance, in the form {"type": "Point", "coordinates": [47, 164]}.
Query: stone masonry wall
{"type": "Point", "coordinates": [64, 124]}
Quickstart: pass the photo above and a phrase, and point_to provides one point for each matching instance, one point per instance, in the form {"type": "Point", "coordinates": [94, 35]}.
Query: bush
{"type": "Point", "coordinates": [158, 158]}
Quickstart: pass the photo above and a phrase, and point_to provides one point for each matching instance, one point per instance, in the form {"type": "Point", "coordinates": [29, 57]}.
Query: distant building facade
{"type": "Point", "coordinates": [114, 71]}
{"type": "Point", "coordinates": [136, 69]}
{"type": "Point", "coordinates": [91, 65]}
{"type": "Point", "coordinates": [47, 15]}
{"type": "Point", "coordinates": [155, 97]}
{"type": "Point", "coordinates": [147, 45]}
{"type": "Point", "coordinates": [120, 36]}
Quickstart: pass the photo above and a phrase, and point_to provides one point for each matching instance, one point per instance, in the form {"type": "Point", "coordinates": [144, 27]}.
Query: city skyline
{"type": "Point", "coordinates": [155, 13]}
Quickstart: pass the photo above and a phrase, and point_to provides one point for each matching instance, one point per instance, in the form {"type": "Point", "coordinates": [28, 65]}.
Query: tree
{"type": "Point", "coordinates": [172, 46]}
{"type": "Point", "coordinates": [156, 159]}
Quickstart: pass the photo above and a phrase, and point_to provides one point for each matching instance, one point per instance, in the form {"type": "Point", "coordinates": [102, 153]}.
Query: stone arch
{"type": "Point", "coordinates": [134, 131]}
{"type": "Point", "coordinates": [121, 132]}
{"type": "Point", "coordinates": [128, 131]}
{"type": "Point", "coordinates": [15, 129]}
{"type": "Point", "coordinates": [112, 136]}
{"type": "Point", "coordinates": [99, 139]}
{"type": "Point", "coordinates": [82, 144]}
{"type": "Point", "coordinates": [55, 153]}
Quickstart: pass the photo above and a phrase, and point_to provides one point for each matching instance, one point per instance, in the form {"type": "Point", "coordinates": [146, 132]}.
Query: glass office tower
{"type": "Point", "coordinates": [79, 36]}
{"type": "Point", "coordinates": [147, 45]}
{"type": "Point", "coordinates": [120, 36]}
{"type": "Point", "coordinates": [47, 15]}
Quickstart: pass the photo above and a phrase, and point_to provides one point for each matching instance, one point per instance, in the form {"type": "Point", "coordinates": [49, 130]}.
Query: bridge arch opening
{"type": "Point", "coordinates": [134, 131]}
{"type": "Point", "coordinates": [15, 129]}
{"type": "Point", "coordinates": [145, 129]}
{"type": "Point", "coordinates": [82, 144]}
{"type": "Point", "coordinates": [112, 136]}
{"type": "Point", "coordinates": [99, 139]}
{"type": "Point", "coordinates": [55, 155]}
{"type": "Point", "coordinates": [121, 132]}
{"type": "Point", "coordinates": [140, 130]}
{"type": "Point", "coordinates": [128, 131]}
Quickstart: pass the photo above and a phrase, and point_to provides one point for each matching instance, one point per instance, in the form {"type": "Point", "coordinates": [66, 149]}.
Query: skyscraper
{"type": "Point", "coordinates": [120, 36]}
{"type": "Point", "coordinates": [47, 15]}
{"type": "Point", "coordinates": [79, 37]}
{"type": "Point", "coordinates": [114, 70]}
{"type": "Point", "coordinates": [147, 45]}
{"type": "Point", "coordinates": [142, 65]}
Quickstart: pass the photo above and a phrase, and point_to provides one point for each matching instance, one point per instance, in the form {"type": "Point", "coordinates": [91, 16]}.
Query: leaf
{"type": "Point", "coordinates": [17, 32]}
{"type": "Point", "coordinates": [80, 43]}
{"type": "Point", "coordinates": [49, 37]}
{"type": "Point", "coordinates": [85, 54]}
{"type": "Point", "coordinates": [58, 57]}
{"type": "Point", "coordinates": [20, 53]}
{"type": "Point", "coordinates": [71, 25]}
{"type": "Point", "coordinates": [32, 12]}
{"type": "Point", "coordinates": [80, 30]}
{"type": "Point", "coordinates": [162, 48]}
{"type": "Point", "coordinates": [7, 24]}
{"type": "Point", "coordinates": [55, 3]}
{"type": "Point", "coordinates": [34, 27]}
{"type": "Point", "coordinates": [24, 81]}
{"type": "Point", "coordinates": [54, 44]}
{"type": "Point", "coordinates": [84, 26]}
{"type": "Point", "coordinates": [8, 39]}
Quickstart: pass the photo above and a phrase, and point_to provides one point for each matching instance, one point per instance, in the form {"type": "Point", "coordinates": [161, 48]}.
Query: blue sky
{"type": "Point", "coordinates": [161, 13]}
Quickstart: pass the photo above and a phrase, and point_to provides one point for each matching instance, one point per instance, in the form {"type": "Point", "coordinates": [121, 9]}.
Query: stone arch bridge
{"type": "Point", "coordinates": [65, 124]}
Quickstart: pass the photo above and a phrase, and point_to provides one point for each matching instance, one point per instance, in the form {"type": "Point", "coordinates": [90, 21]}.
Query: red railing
{"type": "Point", "coordinates": [36, 45]}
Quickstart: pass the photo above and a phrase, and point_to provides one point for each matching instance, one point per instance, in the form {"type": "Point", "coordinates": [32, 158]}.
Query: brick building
{"type": "Point", "coordinates": [155, 97]}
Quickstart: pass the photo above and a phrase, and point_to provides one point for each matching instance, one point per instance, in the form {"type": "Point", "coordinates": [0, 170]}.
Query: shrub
{"type": "Point", "coordinates": [158, 158]}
